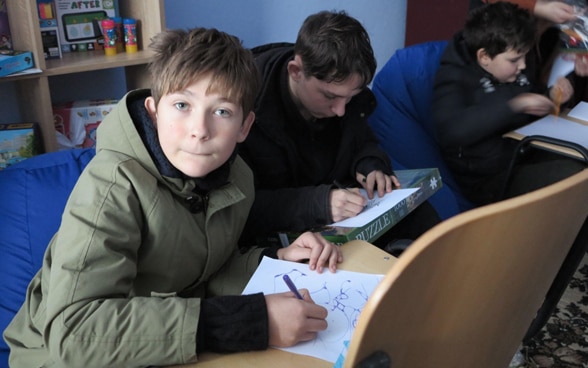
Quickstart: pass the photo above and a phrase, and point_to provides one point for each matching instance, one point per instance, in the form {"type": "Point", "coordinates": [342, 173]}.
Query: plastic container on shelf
{"type": "Point", "coordinates": [120, 38]}
{"type": "Point", "coordinates": [130, 29]}
{"type": "Point", "coordinates": [109, 33]}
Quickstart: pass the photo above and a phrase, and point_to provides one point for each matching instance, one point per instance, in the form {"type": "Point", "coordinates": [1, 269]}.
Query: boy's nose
{"type": "Point", "coordinates": [338, 107]}
{"type": "Point", "coordinates": [199, 128]}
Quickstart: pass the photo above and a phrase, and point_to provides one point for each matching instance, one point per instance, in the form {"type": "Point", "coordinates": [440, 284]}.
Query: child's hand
{"type": "Point", "coordinates": [581, 65]}
{"type": "Point", "coordinates": [554, 11]}
{"type": "Point", "coordinates": [316, 249]}
{"type": "Point", "coordinates": [561, 91]}
{"type": "Point", "coordinates": [292, 320]}
{"type": "Point", "coordinates": [346, 203]}
{"type": "Point", "coordinates": [531, 103]}
{"type": "Point", "coordinates": [377, 180]}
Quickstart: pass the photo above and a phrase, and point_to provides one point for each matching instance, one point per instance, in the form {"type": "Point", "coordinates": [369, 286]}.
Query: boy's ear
{"type": "Point", "coordinates": [483, 58]}
{"type": "Point", "coordinates": [295, 68]}
{"type": "Point", "coordinates": [246, 127]}
{"type": "Point", "coordinates": [151, 109]}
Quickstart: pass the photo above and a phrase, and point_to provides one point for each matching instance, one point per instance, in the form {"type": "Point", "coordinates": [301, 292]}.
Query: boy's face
{"type": "Point", "coordinates": [505, 66]}
{"type": "Point", "coordinates": [319, 99]}
{"type": "Point", "coordinates": [198, 131]}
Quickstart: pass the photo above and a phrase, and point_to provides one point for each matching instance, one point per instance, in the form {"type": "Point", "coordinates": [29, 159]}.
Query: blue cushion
{"type": "Point", "coordinates": [402, 120]}
{"type": "Point", "coordinates": [32, 197]}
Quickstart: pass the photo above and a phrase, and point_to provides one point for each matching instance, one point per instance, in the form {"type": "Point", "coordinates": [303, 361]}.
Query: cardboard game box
{"type": "Point", "coordinates": [427, 180]}
{"type": "Point", "coordinates": [17, 62]}
{"type": "Point", "coordinates": [79, 23]}
{"type": "Point", "coordinates": [76, 121]}
{"type": "Point", "coordinates": [18, 141]}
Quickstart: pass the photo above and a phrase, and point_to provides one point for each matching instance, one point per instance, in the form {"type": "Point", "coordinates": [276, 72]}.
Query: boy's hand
{"type": "Point", "coordinates": [377, 180]}
{"type": "Point", "coordinates": [531, 103]}
{"type": "Point", "coordinates": [581, 65]}
{"type": "Point", "coordinates": [346, 203]}
{"type": "Point", "coordinates": [316, 249]}
{"type": "Point", "coordinates": [292, 320]}
{"type": "Point", "coordinates": [561, 91]}
{"type": "Point", "coordinates": [554, 11]}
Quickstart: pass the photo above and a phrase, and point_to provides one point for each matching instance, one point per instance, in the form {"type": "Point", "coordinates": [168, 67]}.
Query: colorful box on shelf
{"type": "Point", "coordinates": [18, 141]}
{"type": "Point", "coordinates": [79, 23]}
{"type": "Point", "coordinates": [49, 29]}
{"type": "Point", "coordinates": [17, 62]}
{"type": "Point", "coordinates": [76, 121]}
{"type": "Point", "coordinates": [427, 181]}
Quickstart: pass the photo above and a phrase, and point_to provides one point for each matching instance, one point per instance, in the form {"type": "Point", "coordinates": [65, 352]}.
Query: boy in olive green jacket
{"type": "Point", "coordinates": [145, 268]}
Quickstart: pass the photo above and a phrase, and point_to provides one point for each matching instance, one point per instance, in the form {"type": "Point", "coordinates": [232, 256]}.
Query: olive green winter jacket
{"type": "Point", "coordinates": [106, 295]}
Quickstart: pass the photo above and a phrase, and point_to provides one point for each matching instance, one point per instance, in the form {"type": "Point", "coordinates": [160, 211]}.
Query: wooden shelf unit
{"type": "Point", "coordinates": [34, 94]}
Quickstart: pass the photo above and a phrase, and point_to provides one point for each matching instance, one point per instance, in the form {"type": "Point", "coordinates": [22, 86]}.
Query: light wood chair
{"type": "Point", "coordinates": [465, 293]}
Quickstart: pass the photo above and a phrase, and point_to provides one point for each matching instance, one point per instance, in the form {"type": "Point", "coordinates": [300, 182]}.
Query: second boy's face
{"type": "Point", "coordinates": [319, 99]}
{"type": "Point", "coordinates": [198, 131]}
{"type": "Point", "coordinates": [505, 66]}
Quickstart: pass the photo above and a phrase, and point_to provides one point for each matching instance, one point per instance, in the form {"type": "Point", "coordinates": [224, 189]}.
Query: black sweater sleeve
{"type": "Point", "coordinates": [233, 323]}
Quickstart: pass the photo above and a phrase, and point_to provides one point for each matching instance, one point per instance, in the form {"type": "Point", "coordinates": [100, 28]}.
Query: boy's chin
{"type": "Point", "coordinates": [197, 172]}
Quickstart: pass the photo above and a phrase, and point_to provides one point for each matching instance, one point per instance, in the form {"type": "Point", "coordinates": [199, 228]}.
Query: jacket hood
{"type": "Point", "coordinates": [118, 132]}
{"type": "Point", "coordinates": [457, 53]}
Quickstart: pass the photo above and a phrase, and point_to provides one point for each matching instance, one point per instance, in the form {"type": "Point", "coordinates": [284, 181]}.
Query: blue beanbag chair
{"type": "Point", "coordinates": [33, 194]}
{"type": "Point", "coordinates": [402, 119]}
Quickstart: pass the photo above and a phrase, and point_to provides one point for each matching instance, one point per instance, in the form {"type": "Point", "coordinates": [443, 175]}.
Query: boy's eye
{"type": "Point", "coordinates": [222, 112]}
{"type": "Point", "coordinates": [181, 106]}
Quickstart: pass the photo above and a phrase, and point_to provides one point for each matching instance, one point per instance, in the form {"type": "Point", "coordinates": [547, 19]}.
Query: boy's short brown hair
{"type": "Point", "coordinates": [333, 46]}
{"type": "Point", "coordinates": [499, 27]}
{"type": "Point", "coordinates": [184, 56]}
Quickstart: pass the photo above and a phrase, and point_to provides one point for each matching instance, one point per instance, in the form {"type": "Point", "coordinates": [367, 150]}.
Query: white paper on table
{"type": "Point", "coordinates": [343, 294]}
{"type": "Point", "coordinates": [557, 127]}
{"type": "Point", "coordinates": [580, 111]}
{"type": "Point", "coordinates": [376, 207]}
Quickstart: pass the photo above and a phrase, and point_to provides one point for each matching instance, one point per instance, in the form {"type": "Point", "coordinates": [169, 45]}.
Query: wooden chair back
{"type": "Point", "coordinates": [465, 292]}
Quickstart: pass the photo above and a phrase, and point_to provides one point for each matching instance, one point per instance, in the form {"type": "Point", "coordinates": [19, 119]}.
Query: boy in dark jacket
{"type": "Point", "coordinates": [311, 131]}
{"type": "Point", "coordinates": [481, 93]}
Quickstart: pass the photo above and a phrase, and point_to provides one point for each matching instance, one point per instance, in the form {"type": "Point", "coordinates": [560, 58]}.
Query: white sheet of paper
{"type": "Point", "coordinates": [561, 67]}
{"type": "Point", "coordinates": [557, 127]}
{"type": "Point", "coordinates": [580, 111]}
{"type": "Point", "coordinates": [376, 207]}
{"type": "Point", "coordinates": [343, 294]}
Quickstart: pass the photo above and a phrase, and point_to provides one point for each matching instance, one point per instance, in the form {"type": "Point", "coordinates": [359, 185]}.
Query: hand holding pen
{"type": "Point", "coordinates": [345, 202]}
{"type": "Point", "coordinates": [291, 321]}
{"type": "Point", "coordinates": [560, 93]}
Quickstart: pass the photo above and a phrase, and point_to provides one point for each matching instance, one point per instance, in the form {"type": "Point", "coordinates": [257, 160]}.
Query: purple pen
{"type": "Point", "coordinates": [292, 287]}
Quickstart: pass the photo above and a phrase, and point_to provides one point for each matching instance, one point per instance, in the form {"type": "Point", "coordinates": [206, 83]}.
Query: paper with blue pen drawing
{"type": "Point", "coordinates": [557, 127]}
{"type": "Point", "coordinates": [343, 294]}
{"type": "Point", "coordinates": [376, 207]}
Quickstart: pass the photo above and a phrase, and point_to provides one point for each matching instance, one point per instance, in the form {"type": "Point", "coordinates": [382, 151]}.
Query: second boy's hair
{"type": "Point", "coordinates": [184, 56]}
{"type": "Point", "coordinates": [499, 27]}
{"type": "Point", "coordinates": [333, 46]}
